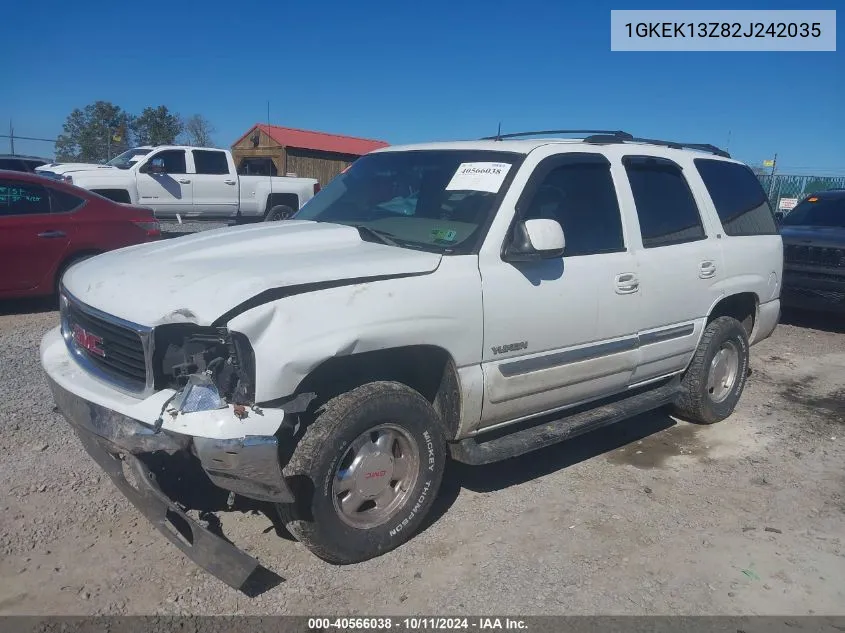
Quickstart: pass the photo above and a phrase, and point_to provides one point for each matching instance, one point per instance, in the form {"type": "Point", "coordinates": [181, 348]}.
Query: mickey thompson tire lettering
{"type": "Point", "coordinates": [314, 519]}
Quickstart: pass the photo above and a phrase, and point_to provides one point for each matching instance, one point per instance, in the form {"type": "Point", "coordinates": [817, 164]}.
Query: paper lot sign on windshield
{"type": "Point", "coordinates": [479, 177]}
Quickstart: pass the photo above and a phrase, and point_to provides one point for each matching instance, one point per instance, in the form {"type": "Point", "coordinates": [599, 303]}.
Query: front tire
{"type": "Point", "coordinates": [713, 383]}
{"type": "Point", "coordinates": [365, 473]}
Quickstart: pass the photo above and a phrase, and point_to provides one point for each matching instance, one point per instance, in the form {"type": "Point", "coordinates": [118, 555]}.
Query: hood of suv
{"type": "Point", "coordinates": [823, 236]}
{"type": "Point", "coordinates": [199, 277]}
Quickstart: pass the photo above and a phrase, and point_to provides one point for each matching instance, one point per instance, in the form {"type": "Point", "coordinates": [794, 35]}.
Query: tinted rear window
{"type": "Point", "coordinates": [738, 196]}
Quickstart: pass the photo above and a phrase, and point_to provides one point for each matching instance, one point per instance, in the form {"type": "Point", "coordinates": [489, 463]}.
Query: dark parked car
{"type": "Point", "coordinates": [47, 225]}
{"type": "Point", "coordinates": [814, 253]}
{"type": "Point", "coordinates": [15, 162]}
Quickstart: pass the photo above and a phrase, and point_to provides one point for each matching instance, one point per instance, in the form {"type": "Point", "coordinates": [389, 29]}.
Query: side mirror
{"type": "Point", "coordinates": [156, 166]}
{"type": "Point", "coordinates": [536, 239]}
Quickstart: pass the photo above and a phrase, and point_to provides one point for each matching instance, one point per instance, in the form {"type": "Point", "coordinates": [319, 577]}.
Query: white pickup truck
{"type": "Point", "coordinates": [176, 180]}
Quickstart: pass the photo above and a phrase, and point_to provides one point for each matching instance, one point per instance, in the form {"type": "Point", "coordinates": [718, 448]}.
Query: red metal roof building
{"type": "Point", "coordinates": [274, 150]}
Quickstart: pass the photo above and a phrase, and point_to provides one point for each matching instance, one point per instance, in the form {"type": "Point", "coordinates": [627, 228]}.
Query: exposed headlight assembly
{"type": "Point", "coordinates": [210, 366]}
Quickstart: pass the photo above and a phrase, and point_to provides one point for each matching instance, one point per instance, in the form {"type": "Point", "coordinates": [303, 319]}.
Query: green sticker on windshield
{"type": "Point", "coordinates": [443, 235]}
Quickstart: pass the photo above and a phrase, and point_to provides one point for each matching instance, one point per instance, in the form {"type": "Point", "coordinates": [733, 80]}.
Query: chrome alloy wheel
{"type": "Point", "coordinates": [375, 476]}
{"type": "Point", "coordinates": [724, 369]}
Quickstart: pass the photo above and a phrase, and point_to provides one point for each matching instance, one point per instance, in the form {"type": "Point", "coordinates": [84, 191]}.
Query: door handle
{"type": "Point", "coordinates": [229, 182]}
{"type": "Point", "coordinates": [627, 283]}
{"type": "Point", "coordinates": [707, 269]}
{"type": "Point", "coordinates": [51, 234]}
{"type": "Point", "coordinates": [184, 181]}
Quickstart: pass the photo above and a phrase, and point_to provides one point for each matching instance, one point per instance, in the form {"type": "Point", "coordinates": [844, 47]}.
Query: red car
{"type": "Point", "coordinates": [47, 225]}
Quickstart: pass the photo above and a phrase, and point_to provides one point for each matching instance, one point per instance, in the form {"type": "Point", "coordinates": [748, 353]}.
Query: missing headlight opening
{"type": "Point", "coordinates": [183, 350]}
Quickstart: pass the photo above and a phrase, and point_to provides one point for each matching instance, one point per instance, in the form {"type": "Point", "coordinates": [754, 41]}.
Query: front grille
{"type": "Point", "coordinates": [827, 257]}
{"type": "Point", "coordinates": [122, 359]}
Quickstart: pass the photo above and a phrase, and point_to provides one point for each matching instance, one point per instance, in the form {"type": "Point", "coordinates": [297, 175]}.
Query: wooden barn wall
{"type": "Point", "coordinates": [266, 147]}
{"type": "Point", "coordinates": [315, 164]}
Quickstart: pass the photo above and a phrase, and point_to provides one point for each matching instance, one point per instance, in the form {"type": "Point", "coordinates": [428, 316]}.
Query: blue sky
{"type": "Point", "coordinates": [406, 72]}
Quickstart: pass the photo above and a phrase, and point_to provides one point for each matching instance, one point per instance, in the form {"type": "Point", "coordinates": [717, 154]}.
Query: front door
{"type": "Point", "coordinates": [32, 240]}
{"type": "Point", "coordinates": [170, 192]}
{"type": "Point", "coordinates": [561, 331]}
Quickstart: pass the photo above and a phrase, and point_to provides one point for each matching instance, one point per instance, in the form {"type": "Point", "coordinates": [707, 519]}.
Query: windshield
{"type": "Point", "coordinates": [128, 158]}
{"type": "Point", "coordinates": [436, 200]}
{"type": "Point", "coordinates": [825, 212]}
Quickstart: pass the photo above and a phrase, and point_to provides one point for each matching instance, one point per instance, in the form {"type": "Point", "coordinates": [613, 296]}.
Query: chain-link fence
{"type": "Point", "coordinates": [785, 191]}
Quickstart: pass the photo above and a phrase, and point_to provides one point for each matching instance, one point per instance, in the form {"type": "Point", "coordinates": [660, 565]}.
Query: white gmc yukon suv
{"type": "Point", "coordinates": [477, 300]}
{"type": "Point", "coordinates": [187, 182]}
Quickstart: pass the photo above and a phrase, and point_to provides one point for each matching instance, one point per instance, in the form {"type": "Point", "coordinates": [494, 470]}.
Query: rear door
{"type": "Point", "coordinates": [680, 266]}
{"type": "Point", "coordinates": [32, 240]}
{"type": "Point", "coordinates": [215, 184]}
{"type": "Point", "coordinates": [168, 193]}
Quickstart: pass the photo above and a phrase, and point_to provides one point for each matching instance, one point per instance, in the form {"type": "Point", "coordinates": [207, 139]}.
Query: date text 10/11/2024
{"type": "Point", "coordinates": [415, 624]}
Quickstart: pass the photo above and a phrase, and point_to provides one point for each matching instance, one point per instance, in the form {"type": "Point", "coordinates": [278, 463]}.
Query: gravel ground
{"type": "Point", "coordinates": [651, 516]}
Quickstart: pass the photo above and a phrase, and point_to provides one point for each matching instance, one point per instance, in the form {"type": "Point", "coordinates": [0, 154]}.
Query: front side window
{"type": "Point", "coordinates": [23, 198]}
{"type": "Point", "coordinates": [437, 200]}
{"type": "Point", "coordinates": [129, 157]}
{"type": "Point", "coordinates": [738, 196]}
{"type": "Point", "coordinates": [665, 206]}
{"type": "Point", "coordinates": [209, 162]}
{"type": "Point", "coordinates": [173, 160]}
{"type": "Point", "coordinates": [582, 198]}
{"type": "Point", "coordinates": [828, 212]}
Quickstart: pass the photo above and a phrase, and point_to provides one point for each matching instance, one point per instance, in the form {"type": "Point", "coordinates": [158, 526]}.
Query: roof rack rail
{"type": "Point", "coordinates": [618, 134]}
{"type": "Point", "coordinates": [604, 139]}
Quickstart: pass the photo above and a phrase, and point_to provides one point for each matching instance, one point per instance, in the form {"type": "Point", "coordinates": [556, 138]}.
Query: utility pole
{"type": "Point", "coordinates": [11, 137]}
{"type": "Point", "coordinates": [772, 176]}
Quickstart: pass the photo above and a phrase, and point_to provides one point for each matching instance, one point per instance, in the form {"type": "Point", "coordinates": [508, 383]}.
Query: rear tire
{"type": "Point", "coordinates": [713, 383]}
{"type": "Point", "coordinates": [279, 212]}
{"type": "Point", "coordinates": [365, 473]}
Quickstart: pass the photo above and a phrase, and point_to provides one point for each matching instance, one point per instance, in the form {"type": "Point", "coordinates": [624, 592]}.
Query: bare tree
{"type": "Point", "coordinates": [198, 130]}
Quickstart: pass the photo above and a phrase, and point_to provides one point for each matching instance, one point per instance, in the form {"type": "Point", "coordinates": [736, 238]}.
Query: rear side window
{"type": "Point", "coordinates": [582, 198]}
{"type": "Point", "coordinates": [63, 202]}
{"type": "Point", "coordinates": [665, 206]}
{"type": "Point", "coordinates": [739, 198]}
{"type": "Point", "coordinates": [210, 162]}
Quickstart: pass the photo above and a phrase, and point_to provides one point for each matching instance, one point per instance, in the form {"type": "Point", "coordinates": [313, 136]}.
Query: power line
{"type": "Point", "coordinates": [28, 138]}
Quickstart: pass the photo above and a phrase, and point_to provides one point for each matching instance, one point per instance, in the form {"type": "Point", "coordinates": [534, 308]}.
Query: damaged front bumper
{"type": "Point", "coordinates": [248, 466]}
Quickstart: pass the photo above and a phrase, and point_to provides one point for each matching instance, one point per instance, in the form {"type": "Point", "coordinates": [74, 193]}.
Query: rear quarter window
{"type": "Point", "coordinates": [64, 202]}
{"type": "Point", "coordinates": [738, 196]}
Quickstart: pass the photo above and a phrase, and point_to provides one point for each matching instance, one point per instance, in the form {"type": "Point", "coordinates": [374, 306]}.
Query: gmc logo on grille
{"type": "Point", "coordinates": [88, 341]}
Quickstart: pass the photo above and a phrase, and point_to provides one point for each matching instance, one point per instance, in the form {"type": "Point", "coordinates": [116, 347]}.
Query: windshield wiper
{"type": "Point", "coordinates": [382, 236]}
